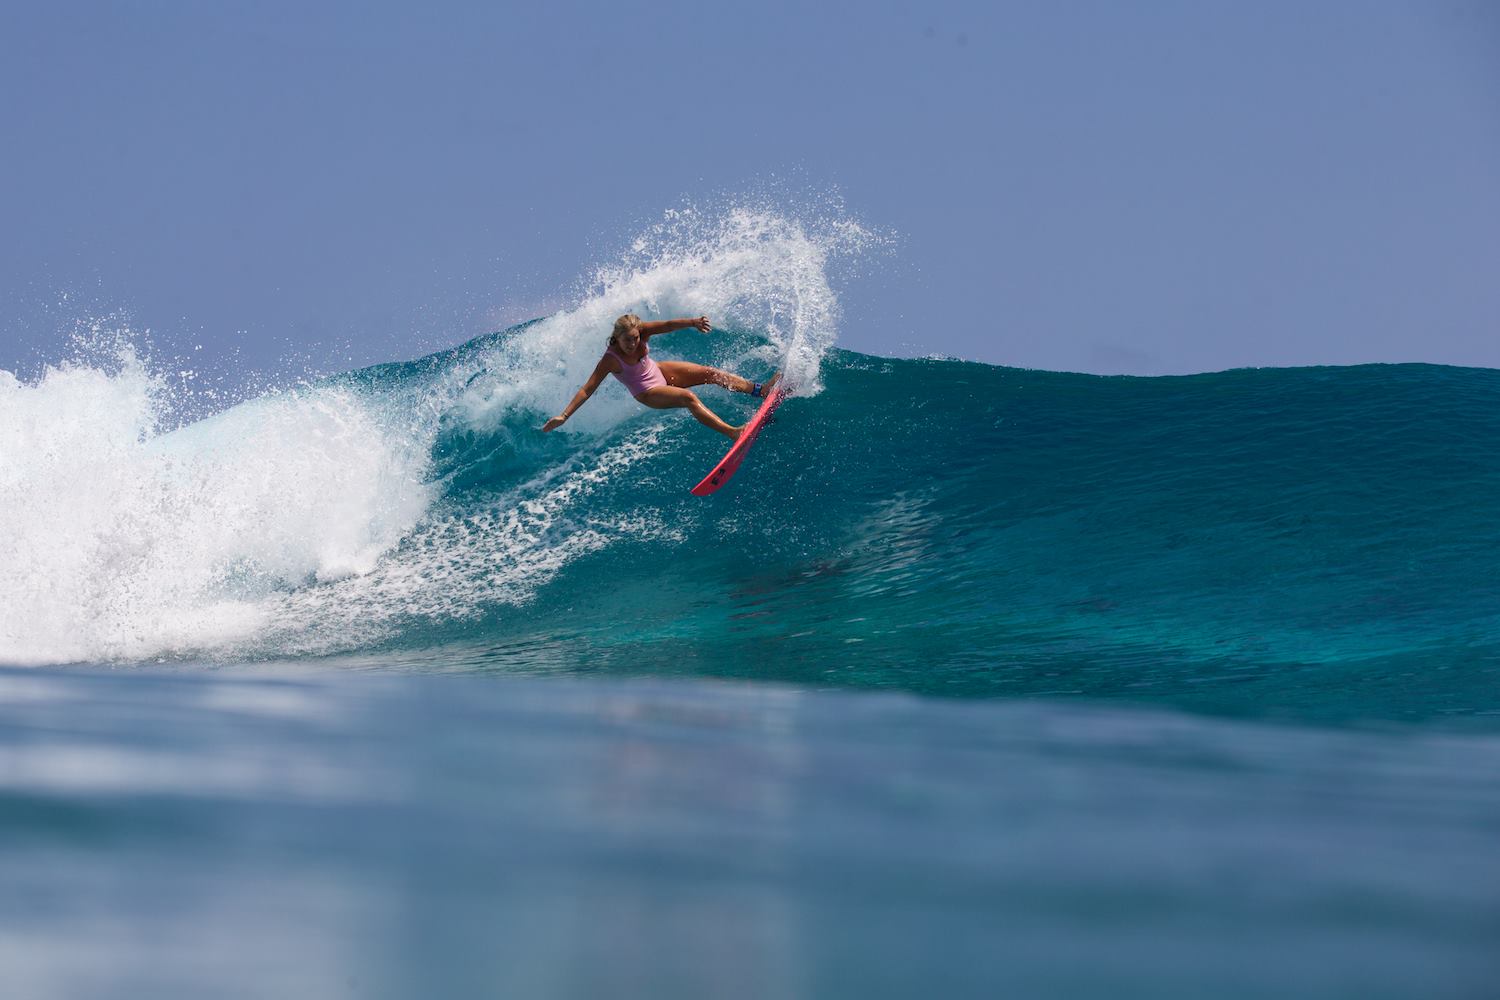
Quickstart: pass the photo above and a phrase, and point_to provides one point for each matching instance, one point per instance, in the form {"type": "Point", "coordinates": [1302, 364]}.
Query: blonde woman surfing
{"type": "Point", "coordinates": [662, 386]}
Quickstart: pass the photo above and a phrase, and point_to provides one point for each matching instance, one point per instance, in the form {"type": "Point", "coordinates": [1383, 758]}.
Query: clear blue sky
{"type": "Point", "coordinates": [1113, 187]}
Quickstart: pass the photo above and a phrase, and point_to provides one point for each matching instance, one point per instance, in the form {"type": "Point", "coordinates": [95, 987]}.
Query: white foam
{"type": "Point", "coordinates": [501, 552]}
{"type": "Point", "coordinates": [121, 542]}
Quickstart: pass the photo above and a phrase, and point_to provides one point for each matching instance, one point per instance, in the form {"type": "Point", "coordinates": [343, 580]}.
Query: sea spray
{"type": "Point", "coordinates": [333, 514]}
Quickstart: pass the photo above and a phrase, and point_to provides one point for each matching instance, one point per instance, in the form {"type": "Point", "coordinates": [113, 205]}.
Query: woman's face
{"type": "Point", "coordinates": [629, 340]}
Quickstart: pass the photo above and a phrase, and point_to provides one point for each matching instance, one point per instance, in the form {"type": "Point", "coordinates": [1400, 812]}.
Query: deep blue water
{"type": "Point", "coordinates": [1306, 543]}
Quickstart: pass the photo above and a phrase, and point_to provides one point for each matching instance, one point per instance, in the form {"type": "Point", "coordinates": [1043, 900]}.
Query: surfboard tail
{"type": "Point", "coordinates": [722, 472]}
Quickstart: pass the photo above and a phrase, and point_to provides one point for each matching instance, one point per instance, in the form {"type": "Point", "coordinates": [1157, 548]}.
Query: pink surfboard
{"type": "Point", "coordinates": [741, 447]}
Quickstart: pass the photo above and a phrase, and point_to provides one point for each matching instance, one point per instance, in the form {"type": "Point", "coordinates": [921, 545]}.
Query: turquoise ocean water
{"type": "Point", "coordinates": [974, 681]}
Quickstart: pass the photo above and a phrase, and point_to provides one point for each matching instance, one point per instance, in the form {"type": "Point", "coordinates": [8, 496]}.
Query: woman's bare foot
{"type": "Point", "coordinates": [769, 384]}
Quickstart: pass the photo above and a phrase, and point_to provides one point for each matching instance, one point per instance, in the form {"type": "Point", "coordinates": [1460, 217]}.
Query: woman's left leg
{"type": "Point", "coordinates": [685, 375]}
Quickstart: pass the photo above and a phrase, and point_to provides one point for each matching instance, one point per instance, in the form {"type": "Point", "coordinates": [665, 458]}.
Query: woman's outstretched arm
{"type": "Point", "coordinates": [581, 396]}
{"type": "Point", "coordinates": [668, 325]}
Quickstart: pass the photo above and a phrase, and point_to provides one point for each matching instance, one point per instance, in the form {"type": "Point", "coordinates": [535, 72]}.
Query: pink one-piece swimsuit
{"type": "Point", "coordinates": [638, 377]}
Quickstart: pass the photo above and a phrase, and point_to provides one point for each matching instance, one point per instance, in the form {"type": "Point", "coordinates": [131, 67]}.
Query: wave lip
{"type": "Point", "coordinates": [1316, 542]}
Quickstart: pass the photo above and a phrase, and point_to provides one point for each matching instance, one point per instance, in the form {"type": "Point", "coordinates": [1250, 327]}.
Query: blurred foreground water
{"type": "Point", "coordinates": [236, 833]}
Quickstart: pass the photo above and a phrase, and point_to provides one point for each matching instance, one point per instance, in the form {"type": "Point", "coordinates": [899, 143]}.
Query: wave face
{"type": "Point", "coordinates": [1304, 542]}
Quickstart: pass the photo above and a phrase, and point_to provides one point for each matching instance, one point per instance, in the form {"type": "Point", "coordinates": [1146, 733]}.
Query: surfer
{"type": "Point", "coordinates": [662, 386]}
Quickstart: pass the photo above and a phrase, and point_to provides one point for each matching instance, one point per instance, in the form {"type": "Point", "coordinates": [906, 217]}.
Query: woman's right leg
{"type": "Point", "coordinates": [666, 397]}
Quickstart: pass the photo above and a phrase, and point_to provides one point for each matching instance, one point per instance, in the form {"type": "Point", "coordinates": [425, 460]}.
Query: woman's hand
{"type": "Point", "coordinates": [554, 423]}
{"type": "Point", "coordinates": [703, 325]}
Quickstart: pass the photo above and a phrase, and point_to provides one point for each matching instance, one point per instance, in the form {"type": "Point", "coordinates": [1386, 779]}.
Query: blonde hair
{"type": "Point", "coordinates": [625, 322]}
